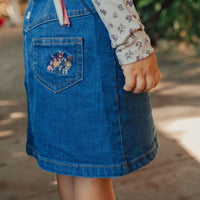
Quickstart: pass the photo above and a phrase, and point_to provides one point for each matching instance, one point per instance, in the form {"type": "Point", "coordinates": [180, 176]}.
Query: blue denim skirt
{"type": "Point", "coordinates": [80, 121]}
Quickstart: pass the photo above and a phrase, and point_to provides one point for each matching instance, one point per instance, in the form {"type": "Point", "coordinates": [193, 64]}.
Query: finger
{"type": "Point", "coordinates": [150, 82]}
{"type": "Point", "coordinates": [129, 83]}
{"type": "Point", "coordinates": [157, 78]}
{"type": "Point", "coordinates": [140, 83]}
{"type": "Point", "coordinates": [146, 90]}
{"type": "Point", "coordinates": [150, 79]}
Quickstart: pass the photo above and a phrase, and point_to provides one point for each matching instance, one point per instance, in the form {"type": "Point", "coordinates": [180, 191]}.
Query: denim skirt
{"type": "Point", "coordinates": [80, 121]}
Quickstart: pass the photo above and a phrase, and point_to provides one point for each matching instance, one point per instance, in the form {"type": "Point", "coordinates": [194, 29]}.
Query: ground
{"type": "Point", "coordinates": [173, 175]}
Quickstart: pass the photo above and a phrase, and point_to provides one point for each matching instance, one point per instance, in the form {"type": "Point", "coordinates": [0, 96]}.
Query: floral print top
{"type": "Point", "coordinates": [125, 28]}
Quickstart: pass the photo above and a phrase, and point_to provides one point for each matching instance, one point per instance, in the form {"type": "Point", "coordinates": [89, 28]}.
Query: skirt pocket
{"type": "Point", "coordinates": [58, 62]}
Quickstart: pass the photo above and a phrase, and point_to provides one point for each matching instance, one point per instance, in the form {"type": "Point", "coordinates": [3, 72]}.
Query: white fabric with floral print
{"type": "Point", "coordinates": [125, 28]}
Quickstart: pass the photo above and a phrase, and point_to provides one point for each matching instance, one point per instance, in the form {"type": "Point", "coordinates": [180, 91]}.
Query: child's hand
{"type": "Point", "coordinates": [141, 76]}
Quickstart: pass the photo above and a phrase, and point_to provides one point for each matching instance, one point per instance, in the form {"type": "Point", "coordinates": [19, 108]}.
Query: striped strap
{"type": "Point", "coordinates": [61, 12]}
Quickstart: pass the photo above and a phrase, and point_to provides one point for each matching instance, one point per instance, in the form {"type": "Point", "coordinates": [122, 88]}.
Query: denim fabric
{"type": "Point", "coordinates": [80, 120]}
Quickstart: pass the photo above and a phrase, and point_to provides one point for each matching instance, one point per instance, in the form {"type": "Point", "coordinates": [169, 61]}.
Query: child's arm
{"type": "Point", "coordinates": [125, 29]}
{"type": "Point", "coordinates": [133, 47]}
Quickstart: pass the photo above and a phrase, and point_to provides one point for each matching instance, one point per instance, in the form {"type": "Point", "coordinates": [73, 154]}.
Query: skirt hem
{"type": "Point", "coordinates": [95, 171]}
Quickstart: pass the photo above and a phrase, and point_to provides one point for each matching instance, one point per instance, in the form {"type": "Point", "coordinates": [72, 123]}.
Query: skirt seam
{"type": "Point", "coordinates": [92, 166]}
{"type": "Point", "coordinates": [119, 116]}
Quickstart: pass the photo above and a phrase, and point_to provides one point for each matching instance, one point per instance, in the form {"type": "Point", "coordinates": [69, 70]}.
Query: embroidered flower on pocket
{"type": "Point", "coordinates": [60, 63]}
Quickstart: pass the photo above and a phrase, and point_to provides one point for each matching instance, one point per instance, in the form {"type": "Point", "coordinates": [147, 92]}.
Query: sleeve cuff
{"type": "Point", "coordinates": [136, 48]}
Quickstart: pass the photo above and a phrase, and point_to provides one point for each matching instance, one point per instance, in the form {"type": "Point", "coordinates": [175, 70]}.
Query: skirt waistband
{"type": "Point", "coordinates": [62, 12]}
{"type": "Point", "coordinates": [40, 11]}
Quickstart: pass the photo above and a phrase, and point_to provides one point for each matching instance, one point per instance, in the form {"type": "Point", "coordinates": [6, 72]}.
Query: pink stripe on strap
{"type": "Point", "coordinates": [64, 11]}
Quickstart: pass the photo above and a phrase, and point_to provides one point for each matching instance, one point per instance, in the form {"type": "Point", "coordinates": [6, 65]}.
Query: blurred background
{"type": "Point", "coordinates": [174, 29]}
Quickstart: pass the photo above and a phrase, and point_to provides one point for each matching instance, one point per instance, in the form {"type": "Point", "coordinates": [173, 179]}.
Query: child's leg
{"type": "Point", "coordinates": [65, 185]}
{"type": "Point", "coordinates": [93, 188]}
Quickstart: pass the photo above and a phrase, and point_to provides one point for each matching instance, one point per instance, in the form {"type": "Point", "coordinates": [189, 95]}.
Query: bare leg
{"type": "Point", "coordinates": [65, 185]}
{"type": "Point", "coordinates": [93, 188]}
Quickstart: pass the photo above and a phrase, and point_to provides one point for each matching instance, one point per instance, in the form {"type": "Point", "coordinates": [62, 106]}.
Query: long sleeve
{"type": "Point", "coordinates": [126, 31]}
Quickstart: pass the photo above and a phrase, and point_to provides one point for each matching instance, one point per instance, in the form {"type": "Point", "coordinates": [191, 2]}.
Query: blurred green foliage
{"type": "Point", "coordinates": [170, 19]}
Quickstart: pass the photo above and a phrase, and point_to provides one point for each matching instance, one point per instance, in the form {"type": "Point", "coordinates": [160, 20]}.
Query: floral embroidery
{"type": "Point", "coordinates": [60, 63]}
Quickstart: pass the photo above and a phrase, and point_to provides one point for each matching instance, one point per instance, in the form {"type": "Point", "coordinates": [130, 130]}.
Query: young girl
{"type": "Point", "coordinates": [89, 66]}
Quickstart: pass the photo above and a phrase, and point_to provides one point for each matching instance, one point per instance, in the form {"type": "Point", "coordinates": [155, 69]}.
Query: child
{"type": "Point", "coordinates": [89, 66]}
